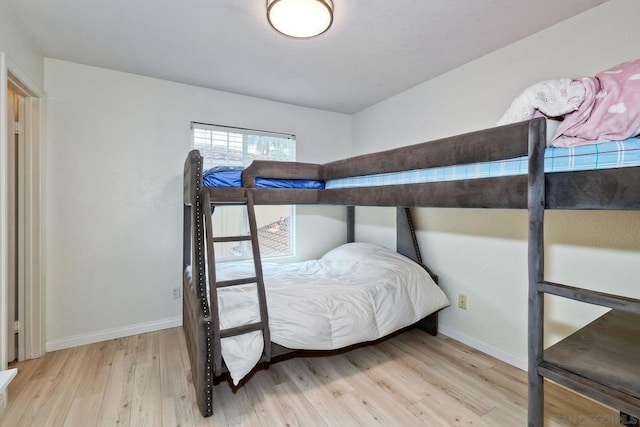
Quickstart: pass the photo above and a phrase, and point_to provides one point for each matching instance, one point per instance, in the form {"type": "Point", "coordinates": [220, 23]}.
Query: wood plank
{"type": "Point", "coordinates": [235, 402]}
{"type": "Point", "coordinates": [444, 411]}
{"type": "Point", "coordinates": [27, 368]}
{"type": "Point", "coordinates": [617, 302]}
{"type": "Point", "coordinates": [564, 407]}
{"type": "Point", "coordinates": [621, 401]}
{"type": "Point", "coordinates": [507, 381]}
{"type": "Point", "coordinates": [381, 398]}
{"type": "Point", "coordinates": [22, 409]}
{"type": "Point", "coordinates": [84, 410]}
{"type": "Point", "coordinates": [292, 397]}
{"type": "Point", "coordinates": [379, 408]}
{"type": "Point", "coordinates": [384, 373]}
{"type": "Point", "coordinates": [146, 402]}
{"type": "Point", "coordinates": [174, 384]}
{"type": "Point", "coordinates": [97, 369]}
{"type": "Point", "coordinates": [118, 394]}
{"type": "Point", "coordinates": [51, 365]}
{"type": "Point", "coordinates": [55, 406]}
{"type": "Point", "coordinates": [500, 416]}
{"type": "Point", "coordinates": [448, 379]}
{"type": "Point", "coordinates": [324, 369]}
{"type": "Point", "coordinates": [607, 351]}
{"type": "Point", "coordinates": [260, 396]}
{"type": "Point", "coordinates": [313, 388]}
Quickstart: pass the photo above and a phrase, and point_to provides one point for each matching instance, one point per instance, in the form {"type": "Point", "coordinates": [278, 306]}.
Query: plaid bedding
{"type": "Point", "coordinates": [607, 155]}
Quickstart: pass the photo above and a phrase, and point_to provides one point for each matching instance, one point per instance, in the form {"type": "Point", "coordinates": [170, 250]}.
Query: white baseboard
{"type": "Point", "coordinates": [109, 334]}
{"type": "Point", "coordinates": [516, 360]}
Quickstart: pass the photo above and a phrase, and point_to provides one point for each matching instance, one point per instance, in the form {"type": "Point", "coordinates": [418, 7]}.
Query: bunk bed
{"type": "Point", "coordinates": [599, 361]}
{"type": "Point", "coordinates": [400, 292]}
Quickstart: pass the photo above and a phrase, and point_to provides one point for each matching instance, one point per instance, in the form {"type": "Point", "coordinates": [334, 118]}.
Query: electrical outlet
{"type": "Point", "coordinates": [462, 301]}
{"type": "Point", "coordinates": [175, 293]}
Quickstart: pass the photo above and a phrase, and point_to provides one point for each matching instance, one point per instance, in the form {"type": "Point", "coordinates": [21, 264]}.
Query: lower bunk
{"type": "Point", "coordinates": [354, 295]}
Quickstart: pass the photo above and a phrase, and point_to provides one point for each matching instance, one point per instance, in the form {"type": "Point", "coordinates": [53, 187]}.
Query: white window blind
{"type": "Point", "coordinates": [229, 146]}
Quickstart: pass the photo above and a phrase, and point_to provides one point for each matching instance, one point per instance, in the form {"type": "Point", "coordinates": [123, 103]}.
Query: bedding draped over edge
{"type": "Point", "coordinates": [592, 109]}
{"type": "Point", "coordinates": [355, 293]}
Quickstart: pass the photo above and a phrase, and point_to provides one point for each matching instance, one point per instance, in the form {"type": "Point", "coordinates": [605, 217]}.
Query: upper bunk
{"type": "Point", "coordinates": [617, 187]}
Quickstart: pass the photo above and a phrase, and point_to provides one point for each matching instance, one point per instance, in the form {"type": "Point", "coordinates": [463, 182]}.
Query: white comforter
{"type": "Point", "coordinates": [357, 292]}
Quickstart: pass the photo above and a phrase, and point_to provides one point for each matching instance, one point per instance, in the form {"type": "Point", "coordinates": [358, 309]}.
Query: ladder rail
{"type": "Point", "coordinates": [214, 284]}
{"type": "Point", "coordinates": [257, 262]}
{"type": "Point", "coordinates": [213, 291]}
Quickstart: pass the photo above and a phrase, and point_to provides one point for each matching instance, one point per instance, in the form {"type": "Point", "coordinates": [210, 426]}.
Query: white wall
{"type": "Point", "coordinates": [116, 145]}
{"type": "Point", "coordinates": [24, 57]}
{"type": "Point", "coordinates": [483, 252]}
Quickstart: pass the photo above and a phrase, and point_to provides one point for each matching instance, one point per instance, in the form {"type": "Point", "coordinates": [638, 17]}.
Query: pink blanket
{"type": "Point", "coordinates": [592, 109]}
{"type": "Point", "coordinates": [610, 110]}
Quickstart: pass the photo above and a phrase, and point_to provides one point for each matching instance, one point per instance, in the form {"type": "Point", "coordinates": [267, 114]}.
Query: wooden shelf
{"type": "Point", "coordinates": [601, 360]}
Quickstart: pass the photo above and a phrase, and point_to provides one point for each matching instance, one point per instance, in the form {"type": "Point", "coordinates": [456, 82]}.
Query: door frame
{"type": "Point", "coordinates": [33, 329]}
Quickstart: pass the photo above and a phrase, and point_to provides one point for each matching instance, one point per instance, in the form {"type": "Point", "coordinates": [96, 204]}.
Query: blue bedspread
{"type": "Point", "coordinates": [231, 176]}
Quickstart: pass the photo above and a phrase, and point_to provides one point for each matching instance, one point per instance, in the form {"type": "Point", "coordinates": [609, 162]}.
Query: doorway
{"type": "Point", "coordinates": [22, 251]}
{"type": "Point", "coordinates": [16, 221]}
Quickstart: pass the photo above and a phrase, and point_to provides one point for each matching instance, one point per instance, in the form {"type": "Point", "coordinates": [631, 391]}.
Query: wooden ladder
{"type": "Point", "coordinates": [214, 284]}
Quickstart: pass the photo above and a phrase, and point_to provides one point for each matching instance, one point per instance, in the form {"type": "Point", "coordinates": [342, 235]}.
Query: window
{"type": "Point", "coordinates": [228, 146]}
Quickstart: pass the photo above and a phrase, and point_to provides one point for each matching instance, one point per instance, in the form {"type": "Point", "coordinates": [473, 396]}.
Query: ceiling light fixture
{"type": "Point", "coordinates": [300, 18]}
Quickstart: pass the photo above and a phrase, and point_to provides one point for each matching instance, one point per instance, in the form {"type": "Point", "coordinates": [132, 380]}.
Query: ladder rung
{"type": "Point", "coordinates": [233, 282]}
{"type": "Point", "coordinates": [231, 239]}
{"type": "Point", "coordinates": [618, 302]}
{"type": "Point", "coordinates": [223, 203]}
{"type": "Point", "coordinates": [239, 330]}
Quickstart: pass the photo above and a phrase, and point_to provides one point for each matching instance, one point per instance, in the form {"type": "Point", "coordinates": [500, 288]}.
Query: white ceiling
{"type": "Point", "coordinates": [375, 48]}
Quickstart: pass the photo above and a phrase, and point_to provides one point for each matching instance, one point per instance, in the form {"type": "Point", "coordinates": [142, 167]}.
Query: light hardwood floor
{"type": "Point", "coordinates": [411, 379]}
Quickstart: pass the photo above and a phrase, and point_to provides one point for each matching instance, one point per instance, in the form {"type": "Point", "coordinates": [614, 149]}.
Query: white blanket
{"type": "Point", "coordinates": [355, 293]}
{"type": "Point", "coordinates": [552, 98]}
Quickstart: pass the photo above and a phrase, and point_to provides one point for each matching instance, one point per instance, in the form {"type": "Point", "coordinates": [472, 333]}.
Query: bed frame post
{"type": "Point", "coordinates": [536, 205]}
{"type": "Point", "coordinates": [406, 241]}
{"type": "Point", "coordinates": [351, 224]}
{"type": "Point", "coordinates": [195, 306]}
{"type": "Point", "coordinates": [407, 245]}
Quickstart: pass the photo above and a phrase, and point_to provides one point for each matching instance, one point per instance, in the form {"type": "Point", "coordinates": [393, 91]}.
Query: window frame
{"type": "Point", "coordinates": [291, 153]}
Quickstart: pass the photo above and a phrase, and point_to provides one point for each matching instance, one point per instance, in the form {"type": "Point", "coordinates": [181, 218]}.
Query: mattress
{"type": "Point", "coordinates": [230, 176]}
{"type": "Point", "coordinates": [607, 155]}
{"type": "Point", "coordinates": [355, 293]}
